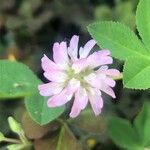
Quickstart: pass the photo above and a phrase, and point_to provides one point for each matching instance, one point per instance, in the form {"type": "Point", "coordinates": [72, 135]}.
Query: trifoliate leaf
{"type": "Point", "coordinates": [142, 124]}
{"type": "Point", "coordinates": [123, 134]}
{"type": "Point", "coordinates": [119, 39]}
{"type": "Point", "coordinates": [136, 74]}
{"type": "Point", "coordinates": [39, 111]}
{"type": "Point", "coordinates": [143, 21]}
{"type": "Point", "coordinates": [16, 79]}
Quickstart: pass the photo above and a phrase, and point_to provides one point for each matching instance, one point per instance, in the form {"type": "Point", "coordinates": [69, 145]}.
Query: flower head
{"type": "Point", "coordinates": [77, 74]}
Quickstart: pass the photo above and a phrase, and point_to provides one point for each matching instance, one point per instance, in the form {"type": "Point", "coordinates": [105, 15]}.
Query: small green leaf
{"type": "Point", "coordinates": [119, 39]}
{"type": "Point", "coordinates": [143, 21]}
{"type": "Point", "coordinates": [14, 125]}
{"type": "Point", "coordinates": [142, 124]}
{"type": "Point", "coordinates": [123, 134]}
{"type": "Point", "coordinates": [39, 111]}
{"type": "Point", "coordinates": [2, 137]}
{"type": "Point", "coordinates": [16, 79]}
{"type": "Point", "coordinates": [136, 73]}
{"type": "Point", "coordinates": [18, 147]}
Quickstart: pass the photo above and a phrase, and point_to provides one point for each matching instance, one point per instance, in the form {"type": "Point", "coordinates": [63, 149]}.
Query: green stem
{"type": "Point", "coordinates": [65, 125]}
{"type": "Point", "coordinates": [23, 138]}
{"type": "Point", "coordinates": [119, 77]}
{"type": "Point", "coordinates": [9, 140]}
{"type": "Point", "coordinates": [61, 121]}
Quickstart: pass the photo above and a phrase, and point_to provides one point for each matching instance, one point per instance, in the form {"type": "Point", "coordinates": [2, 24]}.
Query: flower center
{"type": "Point", "coordinates": [80, 76]}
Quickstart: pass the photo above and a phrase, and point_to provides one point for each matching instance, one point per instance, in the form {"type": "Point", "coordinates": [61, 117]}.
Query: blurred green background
{"type": "Point", "coordinates": [28, 29]}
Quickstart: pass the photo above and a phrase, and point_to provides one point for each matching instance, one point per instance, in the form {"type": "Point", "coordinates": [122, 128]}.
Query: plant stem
{"type": "Point", "coordinates": [119, 77]}
{"type": "Point", "coordinates": [23, 138]}
{"type": "Point", "coordinates": [9, 140]}
{"type": "Point", "coordinates": [61, 121]}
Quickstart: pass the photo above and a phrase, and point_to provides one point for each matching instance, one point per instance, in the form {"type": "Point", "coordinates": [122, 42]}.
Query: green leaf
{"type": "Point", "coordinates": [16, 80]}
{"type": "Point", "coordinates": [2, 137]}
{"type": "Point", "coordinates": [119, 39]}
{"type": "Point", "coordinates": [19, 81]}
{"type": "Point", "coordinates": [142, 124]}
{"type": "Point", "coordinates": [39, 111]}
{"type": "Point", "coordinates": [123, 134]}
{"type": "Point", "coordinates": [14, 125]}
{"type": "Point", "coordinates": [143, 21]}
{"type": "Point", "coordinates": [136, 73]}
{"type": "Point", "coordinates": [18, 147]}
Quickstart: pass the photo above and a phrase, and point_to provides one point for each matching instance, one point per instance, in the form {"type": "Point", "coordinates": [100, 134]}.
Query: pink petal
{"type": "Point", "coordinates": [101, 82]}
{"type": "Point", "coordinates": [56, 76]}
{"type": "Point", "coordinates": [110, 82]}
{"type": "Point", "coordinates": [50, 89]}
{"type": "Point", "coordinates": [112, 72]}
{"type": "Point", "coordinates": [66, 95]}
{"type": "Point", "coordinates": [105, 88]}
{"type": "Point", "coordinates": [59, 99]}
{"type": "Point", "coordinates": [79, 65]}
{"type": "Point", "coordinates": [84, 52]}
{"type": "Point", "coordinates": [73, 85]}
{"type": "Point", "coordinates": [94, 80]}
{"type": "Point", "coordinates": [96, 102]}
{"type": "Point", "coordinates": [75, 110]}
{"type": "Point", "coordinates": [91, 79]}
{"type": "Point", "coordinates": [73, 47]}
{"type": "Point", "coordinates": [104, 52]}
{"type": "Point", "coordinates": [80, 102]}
{"type": "Point", "coordinates": [81, 97]}
{"type": "Point", "coordinates": [102, 68]}
{"type": "Point", "coordinates": [60, 55]}
{"type": "Point", "coordinates": [97, 59]}
{"type": "Point", "coordinates": [48, 65]}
